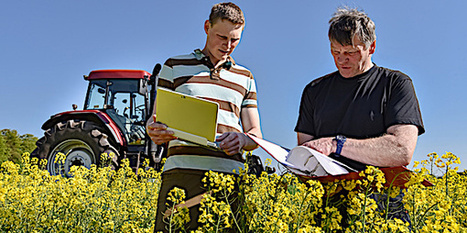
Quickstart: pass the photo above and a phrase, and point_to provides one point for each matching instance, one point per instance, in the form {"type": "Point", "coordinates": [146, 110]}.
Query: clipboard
{"type": "Point", "coordinates": [190, 118]}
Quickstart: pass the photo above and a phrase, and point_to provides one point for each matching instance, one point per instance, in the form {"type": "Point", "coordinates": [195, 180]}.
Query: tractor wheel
{"type": "Point", "coordinates": [82, 143]}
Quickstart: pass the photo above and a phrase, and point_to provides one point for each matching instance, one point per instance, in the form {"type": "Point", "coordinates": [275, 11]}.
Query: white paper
{"type": "Point", "coordinates": [313, 159]}
{"type": "Point", "coordinates": [302, 160]}
{"type": "Point", "coordinates": [277, 152]}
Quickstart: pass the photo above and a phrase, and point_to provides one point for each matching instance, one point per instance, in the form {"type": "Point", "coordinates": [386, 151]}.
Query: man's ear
{"type": "Point", "coordinates": [373, 47]}
{"type": "Point", "coordinates": [207, 25]}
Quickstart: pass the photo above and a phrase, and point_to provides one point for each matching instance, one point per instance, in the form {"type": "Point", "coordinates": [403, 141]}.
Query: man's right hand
{"type": "Point", "coordinates": [159, 133]}
{"type": "Point", "coordinates": [323, 145]}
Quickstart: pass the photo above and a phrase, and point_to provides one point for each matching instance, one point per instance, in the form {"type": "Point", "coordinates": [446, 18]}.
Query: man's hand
{"type": "Point", "coordinates": [159, 133]}
{"type": "Point", "coordinates": [323, 145]}
{"type": "Point", "coordinates": [232, 143]}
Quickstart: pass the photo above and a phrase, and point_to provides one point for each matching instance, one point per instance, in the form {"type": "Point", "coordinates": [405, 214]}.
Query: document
{"type": "Point", "coordinates": [311, 164]}
{"type": "Point", "coordinates": [303, 160]}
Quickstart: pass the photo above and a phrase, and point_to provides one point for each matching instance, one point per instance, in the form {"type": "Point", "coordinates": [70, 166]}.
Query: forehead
{"type": "Point", "coordinates": [338, 46]}
{"type": "Point", "coordinates": [227, 27]}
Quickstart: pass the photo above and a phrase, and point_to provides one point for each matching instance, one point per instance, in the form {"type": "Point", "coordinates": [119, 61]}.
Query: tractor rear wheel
{"type": "Point", "coordinates": [81, 142]}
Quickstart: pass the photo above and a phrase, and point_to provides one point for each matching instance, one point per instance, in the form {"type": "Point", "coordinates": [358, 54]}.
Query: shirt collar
{"type": "Point", "coordinates": [200, 56]}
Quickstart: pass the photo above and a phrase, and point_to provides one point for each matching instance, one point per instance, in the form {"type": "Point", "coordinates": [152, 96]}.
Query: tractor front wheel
{"type": "Point", "coordinates": [81, 142]}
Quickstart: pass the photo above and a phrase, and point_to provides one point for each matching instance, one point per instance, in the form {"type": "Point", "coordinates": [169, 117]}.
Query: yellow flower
{"type": "Point", "coordinates": [105, 200]}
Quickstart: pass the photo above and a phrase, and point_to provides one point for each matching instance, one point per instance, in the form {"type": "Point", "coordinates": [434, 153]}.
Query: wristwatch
{"type": "Point", "coordinates": [340, 140]}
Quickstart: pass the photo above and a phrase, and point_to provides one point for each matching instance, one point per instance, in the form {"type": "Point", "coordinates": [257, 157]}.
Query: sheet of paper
{"type": "Point", "coordinates": [277, 152]}
{"type": "Point", "coordinates": [298, 162]}
{"type": "Point", "coordinates": [329, 165]}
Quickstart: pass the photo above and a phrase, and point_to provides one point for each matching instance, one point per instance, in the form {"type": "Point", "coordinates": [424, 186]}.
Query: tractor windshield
{"type": "Point", "coordinates": [121, 100]}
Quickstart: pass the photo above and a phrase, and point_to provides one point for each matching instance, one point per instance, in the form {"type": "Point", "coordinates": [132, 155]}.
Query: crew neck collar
{"type": "Point", "coordinates": [359, 76]}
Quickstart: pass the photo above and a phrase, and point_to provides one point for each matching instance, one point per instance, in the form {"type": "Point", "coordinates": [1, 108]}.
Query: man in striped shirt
{"type": "Point", "coordinates": [210, 74]}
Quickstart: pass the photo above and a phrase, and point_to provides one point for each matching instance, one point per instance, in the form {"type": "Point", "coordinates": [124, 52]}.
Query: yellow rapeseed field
{"type": "Point", "coordinates": [104, 200]}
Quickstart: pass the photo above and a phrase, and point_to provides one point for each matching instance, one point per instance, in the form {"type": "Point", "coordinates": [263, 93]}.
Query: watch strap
{"type": "Point", "coordinates": [340, 140]}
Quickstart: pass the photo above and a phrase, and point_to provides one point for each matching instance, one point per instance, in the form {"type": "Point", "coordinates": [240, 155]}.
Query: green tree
{"type": "Point", "coordinates": [3, 150]}
{"type": "Point", "coordinates": [13, 145]}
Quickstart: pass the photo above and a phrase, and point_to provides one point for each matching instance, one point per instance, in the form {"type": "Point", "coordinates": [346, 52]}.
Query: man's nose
{"type": "Point", "coordinates": [341, 58]}
{"type": "Point", "coordinates": [228, 44]}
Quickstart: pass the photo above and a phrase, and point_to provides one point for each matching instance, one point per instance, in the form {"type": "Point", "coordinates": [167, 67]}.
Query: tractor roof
{"type": "Point", "coordinates": [116, 74]}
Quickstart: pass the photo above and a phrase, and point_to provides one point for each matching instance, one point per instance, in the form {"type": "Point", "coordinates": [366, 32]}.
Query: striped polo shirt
{"type": "Point", "coordinates": [231, 86]}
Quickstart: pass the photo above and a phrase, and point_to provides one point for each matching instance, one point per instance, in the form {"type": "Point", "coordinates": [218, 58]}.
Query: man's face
{"type": "Point", "coordinates": [222, 38]}
{"type": "Point", "coordinates": [352, 60]}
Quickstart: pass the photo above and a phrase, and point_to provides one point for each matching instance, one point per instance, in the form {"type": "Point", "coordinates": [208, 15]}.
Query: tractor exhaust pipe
{"type": "Point", "coordinates": [155, 152]}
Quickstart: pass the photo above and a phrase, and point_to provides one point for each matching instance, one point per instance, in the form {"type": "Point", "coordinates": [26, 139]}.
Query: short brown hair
{"type": "Point", "coordinates": [228, 11]}
{"type": "Point", "coordinates": [346, 24]}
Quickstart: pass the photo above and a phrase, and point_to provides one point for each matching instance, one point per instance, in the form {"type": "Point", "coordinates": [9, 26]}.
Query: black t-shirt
{"type": "Point", "coordinates": [360, 107]}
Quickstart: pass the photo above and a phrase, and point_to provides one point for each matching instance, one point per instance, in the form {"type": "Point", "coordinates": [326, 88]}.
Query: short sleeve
{"type": "Point", "coordinates": [250, 99]}
{"type": "Point", "coordinates": [403, 106]}
{"type": "Point", "coordinates": [166, 78]}
{"type": "Point", "coordinates": [305, 115]}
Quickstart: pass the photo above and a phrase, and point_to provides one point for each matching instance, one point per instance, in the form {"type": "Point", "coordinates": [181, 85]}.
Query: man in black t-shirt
{"type": "Point", "coordinates": [371, 111]}
{"type": "Point", "coordinates": [361, 112]}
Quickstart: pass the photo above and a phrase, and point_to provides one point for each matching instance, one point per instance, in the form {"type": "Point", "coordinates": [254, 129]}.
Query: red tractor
{"type": "Point", "coordinates": [118, 104]}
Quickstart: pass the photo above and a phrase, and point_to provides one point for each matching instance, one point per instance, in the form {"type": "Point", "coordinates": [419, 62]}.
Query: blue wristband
{"type": "Point", "coordinates": [340, 140]}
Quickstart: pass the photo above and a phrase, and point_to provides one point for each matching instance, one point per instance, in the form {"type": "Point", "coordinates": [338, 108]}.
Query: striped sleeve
{"type": "Point", "coordinates": [166, 78]}
{"type": "Point", "coordinates": [250, 100]}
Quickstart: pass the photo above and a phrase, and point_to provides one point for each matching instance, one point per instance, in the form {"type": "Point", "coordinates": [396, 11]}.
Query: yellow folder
{"type": "Point", "coordinates": [190, 118]}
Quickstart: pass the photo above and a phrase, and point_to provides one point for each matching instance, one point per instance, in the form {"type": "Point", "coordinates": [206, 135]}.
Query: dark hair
{"type": "Point", "coordinates": [346, 24]}
{"type": "Point", "coordinates": [228, 11]}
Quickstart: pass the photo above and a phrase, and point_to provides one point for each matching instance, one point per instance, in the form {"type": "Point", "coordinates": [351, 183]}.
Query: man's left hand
{"type": "Point", "coordinates": [232, 143]}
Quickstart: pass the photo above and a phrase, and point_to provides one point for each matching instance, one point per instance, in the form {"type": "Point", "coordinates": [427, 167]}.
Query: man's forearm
{"type": "Point", "coordinates": [250, 123]}
{"type": "Point", "coordinates": [384, 151]}
{"type": "Point", "coordinates": [395, 148]}
{"type": "Point", "coordinates": [250, 144]}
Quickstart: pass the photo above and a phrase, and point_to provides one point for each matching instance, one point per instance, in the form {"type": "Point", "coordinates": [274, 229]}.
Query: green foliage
{"type": "Point", "coordinates": [13, 145]}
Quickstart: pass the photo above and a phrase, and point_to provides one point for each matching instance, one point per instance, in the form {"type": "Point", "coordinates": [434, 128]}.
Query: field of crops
{"type": "Point", "coordinates": [103, 200]}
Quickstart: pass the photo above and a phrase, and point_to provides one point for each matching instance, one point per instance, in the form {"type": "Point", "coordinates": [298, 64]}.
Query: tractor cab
{"type": "Point", "coordinates": [123, 96]}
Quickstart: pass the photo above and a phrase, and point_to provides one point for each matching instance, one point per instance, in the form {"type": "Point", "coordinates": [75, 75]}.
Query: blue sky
{"type": "Point", "coordinates": [47, 46]}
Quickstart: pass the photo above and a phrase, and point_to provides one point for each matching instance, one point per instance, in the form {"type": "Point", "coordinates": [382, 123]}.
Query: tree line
{"type": "Point", "coordinates": [13, 145]}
